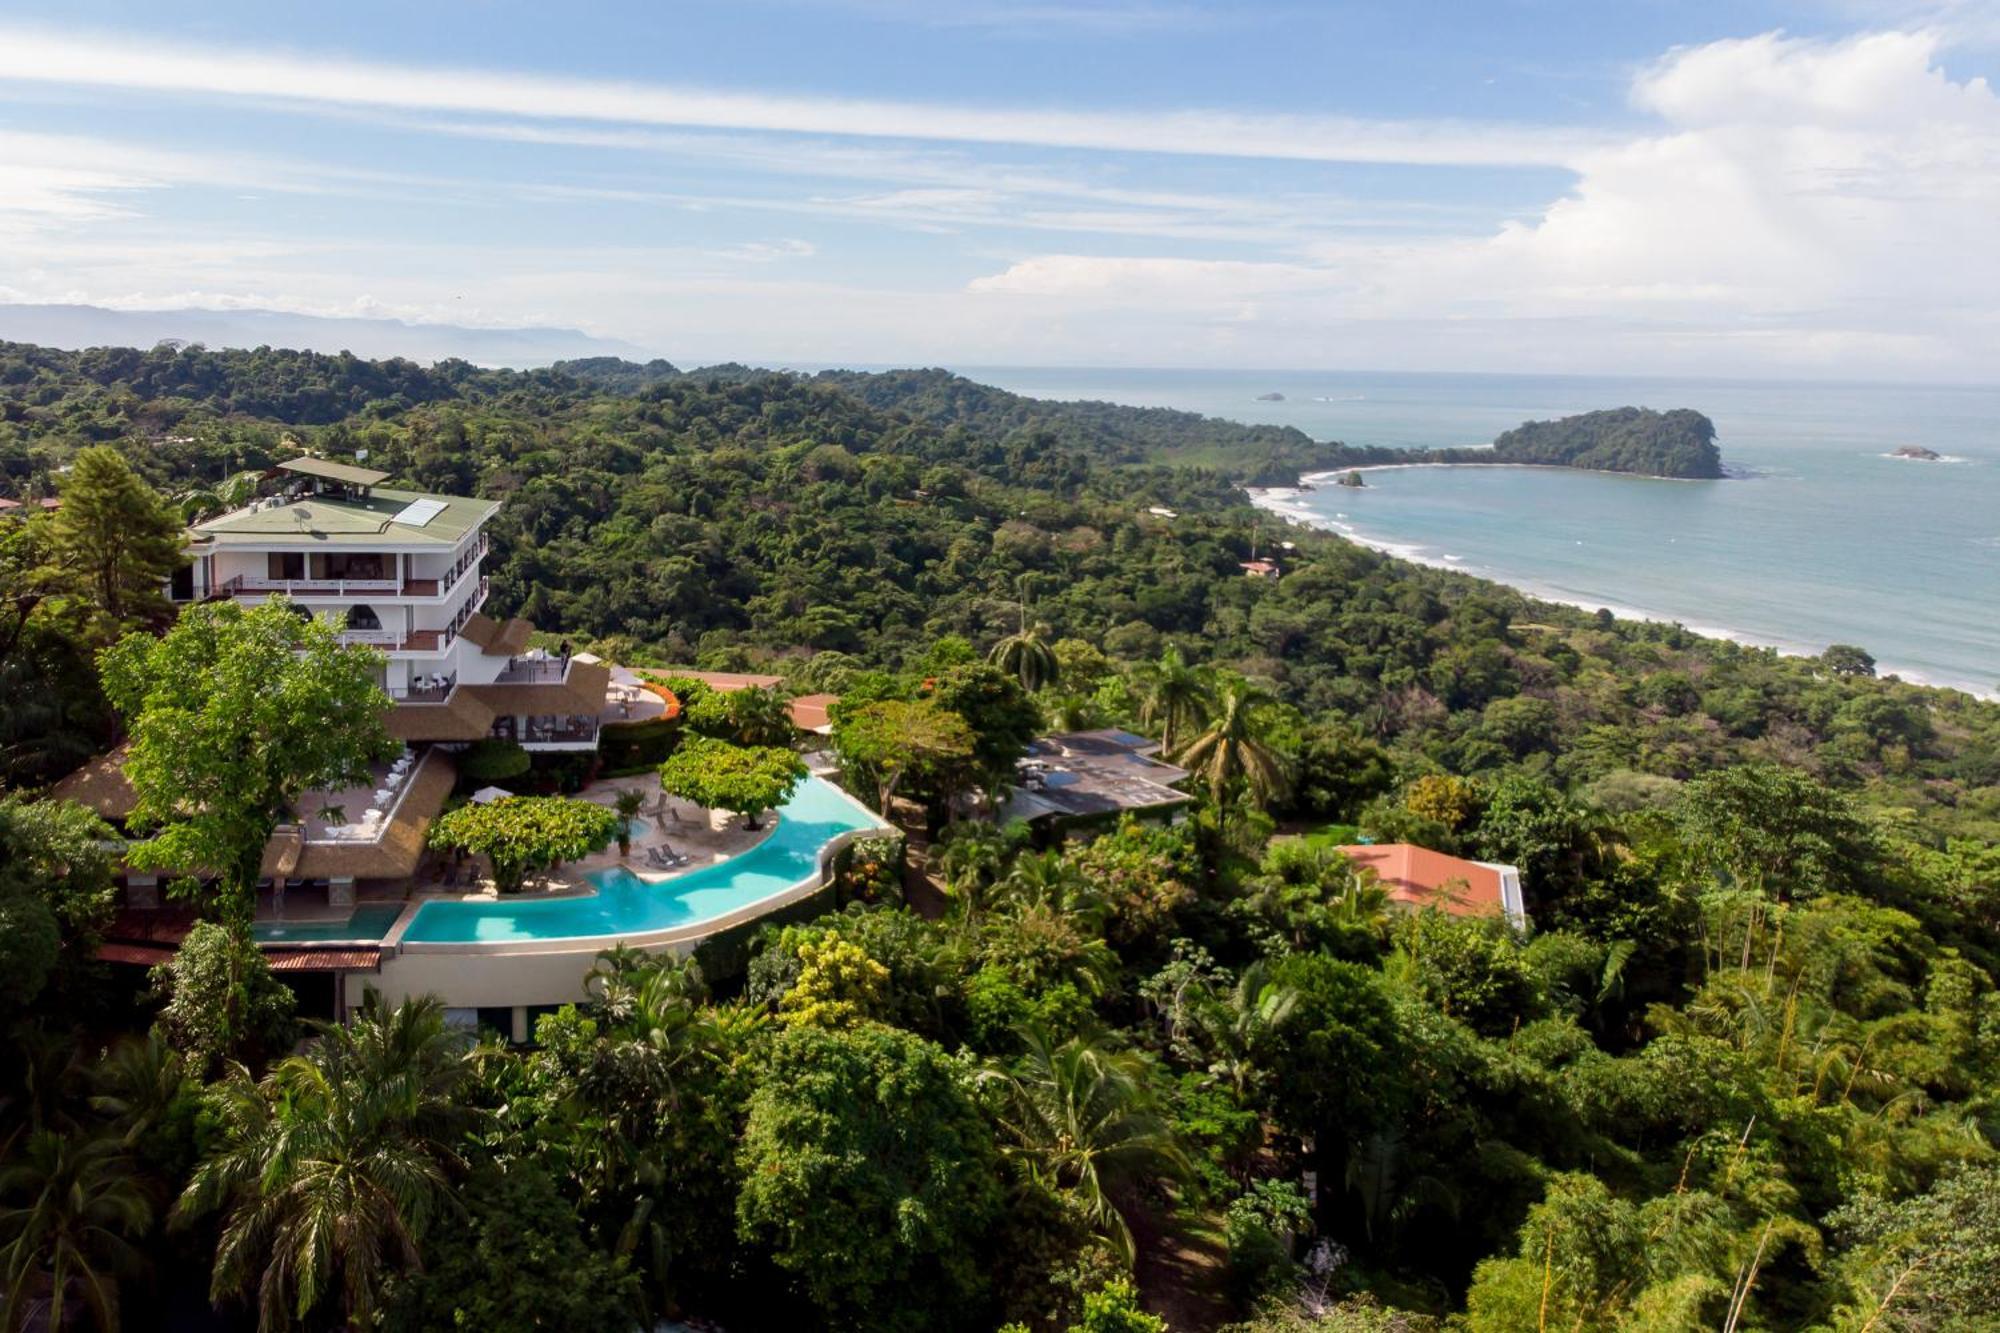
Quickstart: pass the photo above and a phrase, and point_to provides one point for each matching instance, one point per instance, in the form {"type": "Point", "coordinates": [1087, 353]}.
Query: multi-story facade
{"type": "Point", "coordinates": [404, 572]}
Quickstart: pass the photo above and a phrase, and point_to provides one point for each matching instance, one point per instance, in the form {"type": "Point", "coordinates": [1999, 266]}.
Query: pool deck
{"type": "Point", "coordinates": [703, 836]}
{"type": "Point", "coordinates": [526, 972]}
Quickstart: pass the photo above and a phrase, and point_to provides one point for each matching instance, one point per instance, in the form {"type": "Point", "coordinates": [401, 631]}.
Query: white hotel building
{"type": "Point", "coordinates": [403, 570]}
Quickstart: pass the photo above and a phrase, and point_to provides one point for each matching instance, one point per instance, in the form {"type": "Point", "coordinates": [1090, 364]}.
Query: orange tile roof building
{"type": "Point", "coordinates": [810, 712]}
{"type": "Point", "coordinates": [1417, 877]}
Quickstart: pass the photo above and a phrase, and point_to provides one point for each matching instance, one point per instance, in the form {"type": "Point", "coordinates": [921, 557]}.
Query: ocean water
{"type": "Point", "coordinates": [1818, 538]}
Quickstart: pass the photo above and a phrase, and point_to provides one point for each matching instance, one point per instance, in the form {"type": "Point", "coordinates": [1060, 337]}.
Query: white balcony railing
{"type": "Point", "coordinates": [435, 690]}
{"type": "Point", "coordinates": [242, 583]}
{"type": "Point", "coordinates": [533, 671]}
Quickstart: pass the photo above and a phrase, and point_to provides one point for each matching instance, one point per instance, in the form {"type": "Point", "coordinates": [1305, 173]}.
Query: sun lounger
{"type": "Point", "coordinates": [664, 857]}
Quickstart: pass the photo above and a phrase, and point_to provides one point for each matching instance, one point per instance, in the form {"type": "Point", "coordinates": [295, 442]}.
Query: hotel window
{"type": "Point", "coordinates": [285, 565]}
{"type": "Point", "coordinates": [363, 617]}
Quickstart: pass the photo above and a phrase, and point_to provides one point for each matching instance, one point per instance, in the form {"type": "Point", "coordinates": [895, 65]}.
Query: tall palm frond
{"type": "Point", "coordinates": [1028, 657]}
{"type": "Point", "coordinates": [71, 1207]}
{"type": "Point", "coordinates": [329, 1168]}
{"type": "Point", "coordinates": [1174, 697]}
{"type": "Point", "coordinates": [1084, 1120]}
{"type": "Point", "coordinates": [1233, 747]}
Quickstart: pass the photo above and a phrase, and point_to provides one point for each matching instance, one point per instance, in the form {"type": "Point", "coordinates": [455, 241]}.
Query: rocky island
{"type": "Point", "coordinates": [1917, 451]}
{"type": "Point", "coordinates": [1640, 440]}
{"type": "Point", "coordinates": [1680, 443]}
{"type": "Point", "coordinates": [1272, 397]}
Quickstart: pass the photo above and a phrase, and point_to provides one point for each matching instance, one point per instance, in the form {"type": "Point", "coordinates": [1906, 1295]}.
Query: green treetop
{"type": "Point", "coordinates": [55, 890]}
{"type": "Point", "coordinates": [893, 739]}
{"type": "Point", "coordinates": [234, 715]}
{"type": "Point", "coordinates": [521, 835]}
{"type": "Point", "coordinates": [115, 541]}
{"type": "Point", "coordinates": [745, 779]}
{"type": "Point", "coordinates": [1002, 715]}
{"type": "Point", "coordinates": [870, 1176]}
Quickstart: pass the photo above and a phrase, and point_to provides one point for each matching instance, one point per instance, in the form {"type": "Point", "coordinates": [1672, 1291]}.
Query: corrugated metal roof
{"type": "Point", "coordinates": [332, 471]}
{"type": "Point", "coordinates": [362, 521]}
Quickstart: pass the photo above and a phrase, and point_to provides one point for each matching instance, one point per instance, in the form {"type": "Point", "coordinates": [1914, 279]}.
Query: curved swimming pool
{"type": "Point", "coordinates": [624, 904]}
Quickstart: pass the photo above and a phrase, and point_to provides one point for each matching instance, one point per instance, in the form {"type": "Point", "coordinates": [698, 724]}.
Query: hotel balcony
{"type": "Point", "coordinates": [302, 590]}
{"type": "Point", "coordinates": [531, 695]}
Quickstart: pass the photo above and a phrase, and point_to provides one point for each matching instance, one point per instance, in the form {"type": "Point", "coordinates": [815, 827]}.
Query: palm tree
{"type": "Point", "coordinates": [1232, 746]}
{"type": "Point", "coordinates": [1070, 711]}
{"type": "Point", "coordinates": [1175, 697]}
{"type": "Point", "coordinates": [1048, 920]}
{"type": "Point", "coordinates": [330, 1167]}
{"type": "Point", "coordinates": [138, 1084]}
{"type": "Point", "coordinates": [1241, 1022]}
{"type": "Point", "coordinates": [1027, 656]}
{"type": "Point", "coordinates": [70, 1207]}
{"type": "Point", "coordinates": [628, 804]}
{"type": "Point", "coordinates": [1084, 1121]}
{"type": "Point", "coordinates": [204, 502]}
{"type": "Point", "coordinates": [972, 857]}
{"type": "Point", "coordinates": [1050, 879]}
{"type": "Point", "coordinates": [761, 716]}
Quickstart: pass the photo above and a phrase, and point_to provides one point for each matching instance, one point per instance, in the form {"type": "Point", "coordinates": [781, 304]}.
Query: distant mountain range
{"type": "Point", "coordinates": [77, 326]}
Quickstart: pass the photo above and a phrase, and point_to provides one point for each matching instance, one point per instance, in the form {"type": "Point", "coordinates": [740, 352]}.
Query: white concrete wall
{"type": "Point", "coordinates": [475, 980]}
{"type": "Point", "coordinates": [466, 975]}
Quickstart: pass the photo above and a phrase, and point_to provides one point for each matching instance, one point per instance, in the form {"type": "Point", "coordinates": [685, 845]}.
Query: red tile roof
{"type": "Point", "coordinates": [809, 711]}
{"type": "Point", "coordinates": [324, 960]}
{"type": "Point", "coordinates": [1419, 877]}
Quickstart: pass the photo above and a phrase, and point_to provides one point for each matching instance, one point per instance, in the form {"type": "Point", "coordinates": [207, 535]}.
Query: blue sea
{"type": "Point", "coordinates": [1819, 537]}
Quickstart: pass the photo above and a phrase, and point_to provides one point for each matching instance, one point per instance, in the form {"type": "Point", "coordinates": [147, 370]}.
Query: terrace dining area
{"type": "Point", "coordinates": [360, 813]}
{"type": "Point", "coordinates": [627, 699]}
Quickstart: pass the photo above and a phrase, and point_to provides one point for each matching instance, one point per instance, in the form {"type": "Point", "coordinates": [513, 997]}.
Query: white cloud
{"type": "Point", "coordinates": [70, 178]}
{"type": "Point", "coordinates": [42, 56]}
{"type": "Point", "coordinates": [1794, 205]}
{"type": "Point", "coordinates": [1811, 206]}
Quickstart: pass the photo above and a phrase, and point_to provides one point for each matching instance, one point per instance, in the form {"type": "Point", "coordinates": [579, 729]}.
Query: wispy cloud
{"type": "Point", "coordinates": [78, 60]}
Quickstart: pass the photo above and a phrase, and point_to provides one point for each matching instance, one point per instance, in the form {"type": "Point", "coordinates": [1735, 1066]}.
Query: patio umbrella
{"type": "Point", "coordinates": [488, 795]}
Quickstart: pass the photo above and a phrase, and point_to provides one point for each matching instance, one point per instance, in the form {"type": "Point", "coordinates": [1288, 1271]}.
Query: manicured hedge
{"type": "Point", "coordinates": [633, 746]}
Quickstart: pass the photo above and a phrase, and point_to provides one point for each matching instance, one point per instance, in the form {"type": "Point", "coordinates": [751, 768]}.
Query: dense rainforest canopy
{"type": "Point", "coordinates": [1680, 443]}
{"type": "Point", "coordinates": [1742, 1070]}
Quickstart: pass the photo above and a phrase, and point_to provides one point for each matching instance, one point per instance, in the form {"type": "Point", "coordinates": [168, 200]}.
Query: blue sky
{"type": "Point", "coordinates": [1799, 189]}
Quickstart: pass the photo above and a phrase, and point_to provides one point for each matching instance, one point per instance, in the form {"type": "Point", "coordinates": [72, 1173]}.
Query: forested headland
{"type": "Point", "coordinates": [1742, 1070]}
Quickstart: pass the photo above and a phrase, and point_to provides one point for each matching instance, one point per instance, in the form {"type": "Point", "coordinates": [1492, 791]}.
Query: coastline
{"type": "Point", "coordinates": [1317, 477]}
{"type": "Point", "coordinates": [1283, 502]}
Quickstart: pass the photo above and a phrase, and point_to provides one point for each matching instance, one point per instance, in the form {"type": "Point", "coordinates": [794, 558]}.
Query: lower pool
{"type": "Point", "coordinates": [624, 904]}
{"type": "Point", "coordinates": [371, 921]}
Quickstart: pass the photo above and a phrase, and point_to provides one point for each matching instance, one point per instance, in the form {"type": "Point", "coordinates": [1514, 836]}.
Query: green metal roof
{"type": "Point", "coordinates": [381, 518]}
{"type": "Point", "coordinates": [332, 471]}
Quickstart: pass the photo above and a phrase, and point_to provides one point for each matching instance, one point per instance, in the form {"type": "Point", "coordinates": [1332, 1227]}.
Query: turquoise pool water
{"type": "Point", "coordinates": [370, 921]}
{"type": "Point", "coordinates": [624, 904]}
